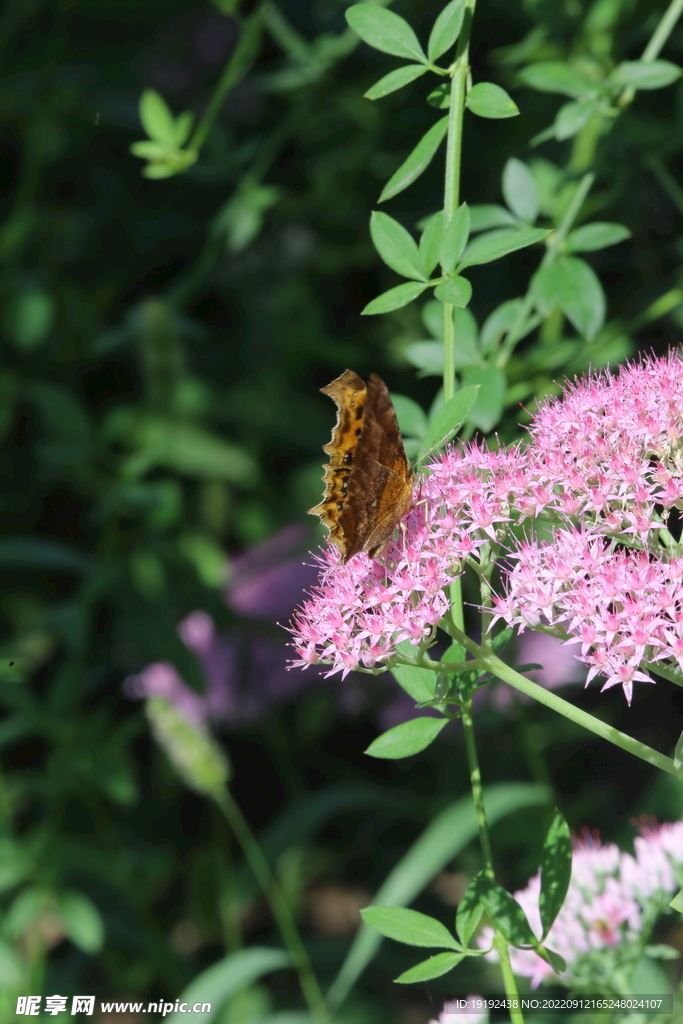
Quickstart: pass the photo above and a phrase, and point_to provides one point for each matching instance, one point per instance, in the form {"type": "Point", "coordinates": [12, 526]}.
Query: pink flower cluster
{"type": "Point", "coordinates": [612, 903]}
{"type": "Point", "coordinates": [600, 463]}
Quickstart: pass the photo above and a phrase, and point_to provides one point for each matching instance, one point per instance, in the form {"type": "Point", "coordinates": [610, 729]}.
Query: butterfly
{"type": "Point", "coordinates": [368, 481]}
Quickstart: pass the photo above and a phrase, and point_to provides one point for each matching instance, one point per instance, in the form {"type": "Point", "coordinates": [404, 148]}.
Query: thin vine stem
{"type": "Point", "coordinates": [279, 906]}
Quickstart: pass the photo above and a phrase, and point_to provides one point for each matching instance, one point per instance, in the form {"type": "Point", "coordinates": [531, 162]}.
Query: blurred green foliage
{"type": "Point", "coordinates": [163, 344]}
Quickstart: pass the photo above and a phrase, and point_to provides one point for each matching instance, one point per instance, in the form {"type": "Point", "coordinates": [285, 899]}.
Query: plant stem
{"type": "Point", "coordinates": [451, 197]}
{"type": "Point", "coordinates": [663, 30]}
{"type": "Point", "coordinates": [502, 671]}
{"type": "Point", "coordinates": [485, 842]}
{"type": "Point", "coordinates": [236, 68]}
{"type": "Point", "coordinates": [278, 905]}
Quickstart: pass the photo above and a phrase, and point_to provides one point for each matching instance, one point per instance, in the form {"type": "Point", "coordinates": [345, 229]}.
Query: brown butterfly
{"type": "Point", "coordinates": [368, 482]}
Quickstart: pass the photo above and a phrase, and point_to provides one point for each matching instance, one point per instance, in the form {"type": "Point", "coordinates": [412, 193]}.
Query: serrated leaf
{"type": "Point", "coordinates": [486, 251]}
{"type": "Point", "coordinates": [573, 286]}
{"type": "Point", "coordinates": [490, 215]}
{"type": "Point", "coordinates": [434, 967]}
{"type": "Point", "coordinates": [411, 416]}
{"type": "Point", "coordinates": [417, 162]}
{"type": "Point", "coordinates": [395, 298]}
{"type": "Point", "coordinates": [490, 401]}
{"type": "Point", "coordinates": [446, 29]}
{"type": "Point", "coordinates": [555, 76]}
{"type": "Point", "coordinates": [407, 739]}
{"type": "Point", "coordinates": [506, 913]}
{"type": "Point", "coordinates": [520, 190]}
{"type": "Point", "coordinates": [156, 118]}
{"type": "Point", "coordinates": [450, 416]}
{"type": "Point", "coordinates": [572, 117]}
{"type": "Point", "coordinates": [431, 241]}
{"type": "Point", "coordinates": [457, 291]}
{"type": "Point", "coordinates": [396, 247]}
{"type": "Point", "coordinates": [468, 914]}
{"type": "Point", "coordinates": [598, 235]}
{"type": "Point", "coordinates": [486, 99]}
{"type": "Point", "coordinates": [395, 80]}
{"type": "Point", "coordinates": [556, 870]}
{"type": "Point", "coordinates": [385, 31]}
{"type": "Point", "coordinates": [455, 238]}
{"type": "Point", "coordinates": [410, 927]}
{"type": "Point", "coordinates": [640, 74]}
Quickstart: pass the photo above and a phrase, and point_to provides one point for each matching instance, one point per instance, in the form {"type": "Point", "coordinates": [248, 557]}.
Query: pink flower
{"type": "Point", "coordinates": [613, 901]}
{"type": "Point", "coordinates": [600, 462]}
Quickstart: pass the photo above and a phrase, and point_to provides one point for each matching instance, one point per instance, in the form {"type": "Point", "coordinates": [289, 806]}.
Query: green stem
{"type": "Point", "coordinates": [485, 842]}
{"type": "Point", "coordinates": [606, 732]}
{"type": "Point", "coordinates": [278, 905]}
{"type": "Point", "coordinates": [241, 59]}
{"type": "Point", "coordinates": [451, 197]}
{"type": "Point", "coordinates": [663, 30]}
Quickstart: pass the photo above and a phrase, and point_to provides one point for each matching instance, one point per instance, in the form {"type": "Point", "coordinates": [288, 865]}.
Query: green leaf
{"type": "Point", "coordinates": [418, 683]}
{"type": "Point", "coordinates": [505, 912]}
{"type": "Point", "coordinates": [81, 921]}
{"type": "Point", "coordinates": [485, 251]}
{"type": "Point", "coordinates": [489, 404]}
{"type": "Point", "coordinates": [640, 74]}
{"type": "Point", "coordinates": [443, 839]}
{"type": "Point", "coordinates": [395, 80]}
{"type": "Point", "coordinates": [31, 318]}
{"type": "Point", "coordinates": [468, 914]}
{"type": "Point", "coordinates": [219, 982]}
{"type": "Point", "coordinates": [571, 284]}
{"type": "Point", "coordinates": [396, 247]}
{"type": "Point", "coordinates": [520, 190]}
{"type": "Point", "coordinates": [434, 967]}
{"type": "Point", "coordinates": [156, 118]}
{"type": "Point", "coordinates": [556, 870]}
{"type": "Point", "coordinates": [677, 902]}
{"type": "Point", "coordinates": [454, 241]}
{"type": "Point", "coordinates": [557, 962]}
{"type": "Point", "coordinates": [450, 416]}
{"type": "Point", "coordinates": [457, 291]}
{"type": "Point", "coordinates": [498, 323]}
{"type": "Point", "coordinates": [409, 926]}
{"type": "Point", "coordinates": [441, 96]}
{"type": "Point", "coordinates": [431, 241]}
{"type": "Point", "coordinates": [183, 127]}
{"type": "Point", "coordinates": [417, 162]}
{"type": "Point", "coordinates": [490, 215]}
{"type": "Point", "coordinates": [572, 117]}
{"type": "Point", "coordinates": [395, 298]}
{"type": "Point", "coordinates": [411, 416]}
{"type": "Point", "coordinates": [46, 555]}
{"type": "Point", "coordinates": [385, 31]}
{"type": "Point", "coordinates": [555, 76]}
{"type": "Point", "coordinates": [446, 29]}
{"type": "Point", "coordinates": [427, 356]}
{"type": "Point", "coordinates": [488, 100]}
{"type": "Point", "coordinates": [598, 235]}
{"type": "Point", "coordinates": [407, 739]}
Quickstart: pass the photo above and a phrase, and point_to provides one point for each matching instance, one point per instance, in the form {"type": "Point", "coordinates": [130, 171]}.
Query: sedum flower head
{"type": "Point", "coordinates": [604, 466]}
{"type": "Point", "coordinates": [613, 901]}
